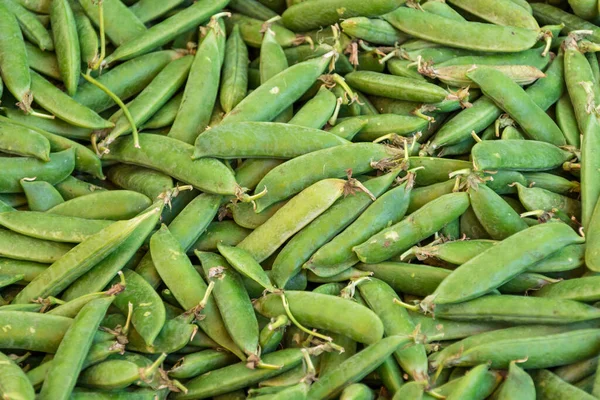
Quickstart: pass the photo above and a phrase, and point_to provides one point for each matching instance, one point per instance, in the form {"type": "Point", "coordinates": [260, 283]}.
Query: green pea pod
{"type": "Point", "coordinates": [195, 364]}
{"type": "Point", "coordinates": [371, 30]}
{"type": "Point", "coordinates": [253, 9]}
{"type": "Point", "coordinates": [32, 28]}
{"type": "Point", "coordinates": [89, 44]}
{"type": "Point", "coordinates": [357, 391]}
{"type": "Point", "coordinates": [349, 127]}
{"type": "Point", "coordinates": [251, 31]}
{"type": "Point", "coordinates": [423, 195]}
{"type": "Point", "coordinates": [549, 386]}
{"type": "Point", "coordinates": [317, 111]}
{"type": "Point", "coordinates": [149, 10]}
{"type": "Point", "coordinates": [395, 87]}
{"type": "Point", "coordinates": [175, 335]}
{"type": "Point", "coordinates": [577, 371]}
{"type": "Point", "coordinates": [459, 75]}
{"type": "Point", "coordinates": [452, 330]}
{"type": "Point", "coordinates": [504, 12]}
{"type": "Point", "coordinates": [124, 204]}
{"type": "Point", "coordinates": [70, 355]}
{"type": "Point", "coordinates": [41, 195]}
{"type": "Point", "coordinates": [55, 126]}
{"type": "Point", "coordinates": [244, 215]}
{"type": "Point", "coordinates": [146, 181]}
{"type": "Point", "coordinates": [23, 142]}
{"type": "Point", "coordinates": [551, 182]}
{"type": "Point", "coordinates": [64, 31]}
{"type": "Point", "coordinates": [238, 376]}
{"type": "Point", "coordinates": [173, 157]}
{"type": "Point", "coordinates": [226, 232]}
{"type": "Point", "coordinates": [411, 390]}
{"type": "Point", "coordinates": [414, 279]}
{"type": "Point", "coordinates": [471, 385]}
{"type": "Point", "coordinates": [166, 30]}
{"type": "Point", "coordinates": [337, 255]}
{"type": "Point", "coordinates": [13, 61]}
{"type": "Point", "coordinates": [435, 170]}
{"type": "Point", "coordinates": [382, 124]}
{"type": "Point", "coordinates": [235, 71]}
{"type": "Point", "coordinates": [518, 384]}
{"type": "Point", "coordinates": [542, 199]}
{"type": "Point", "coordinates": [243, 262]}
{"type": "Point", "coordinates": [43, 62]}
{"type": "Point", "coordinates": [175, 267]}
{"type": "Point", "coordinates": [233, 302]}
{"type": "Point", "coordinates": [166, 115]}
{"type": "Point", "coordinates": [20, 247]}
{"type": "Point", "coordinates": [420, 225]}
{"type": "Point", "coordinates": [475, 281]}
{"type": "Point", "coordinates": [565, 118]}
{"type": "Point", "coordinates": [592, 252]}
{"type": "Point", "coordinates": [120, 23]}
{"type": "Point", "coordinates": [330, 361]}
{"type": "Point", "coordinates": [112, 375]}
{"type": "Point", "coordinates": [528, 155]}
{"type": "Point", "coordinates": [15, 383]}
{"type": "Point", "coordinates": [80, 260]}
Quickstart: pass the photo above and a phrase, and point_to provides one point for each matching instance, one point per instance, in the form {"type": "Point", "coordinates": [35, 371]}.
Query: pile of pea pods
{"type": "Point", "coordinates": [299, 199]}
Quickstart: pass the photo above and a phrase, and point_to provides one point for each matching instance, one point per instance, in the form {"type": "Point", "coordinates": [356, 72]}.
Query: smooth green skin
{"type": "Point", "coordinates": [304, 16]}
{"type": "Point", "coordinates": [252, 171]}
{"type": "Point", "coordinates": [419, 225]}
{"type": "Point", "coordinates": [517, 385]}
{"type": "Point", "coordinates": [423, 195]}
{"type": "Point", "coordinates": [13, 61]}
{"type": "Point", "coordinates": [32, 28]}
{"type": "Point", "coordinates": [517, 103]}
{"type": "Point", "coordinates": [434, 169]}
{"type": "Point", "coordinates": [579, 289]}
{"type": "Point", "coordinates": [56, 228]}
{"type": "Point", "coordinates": [175, 335]}
{"type": "Point", "coordinates": [542, 199]}
{"type": "Point", "coordinates": [414, 279]}
{"type": "Point", "coordinates": [33, 331]}
{"type": "Point", "coordinates": [278, 93]}
{"type": "Point", "coordinates": [403, 68]}
{"type": "Point", "coordinates": [202, 87]}
{"type": "Point", "coordinates": [324, 228]}
{"type": "Point", "coordinates": [166, 30]}
{"type": "Point", "coordinates": [233, 302]}
{"type": "Point", "coordinates": [110, 375]}
{"type": "Point", "coordinates": [39, 6]}
{"type": "Point", "coordinates": [551, 182]}
{"type": "Point", "coordinates": [43, 62]}
{"type": "Point", "coordinates": [545, 92]}
{"type": "Point", "coordinates": [502, 181]}
{"type": "Point", "coordinates": [143, 180]}
{"type": "Point", "coordinates": [331, 361]}
{"type": "Point", "coordinates": [472, 385]}
{"type": "Point", "coordinates": [357, 391]}
{"type": "Point", "coordinates": [391, 375]}
{"type": "Point", "coordinates": [530, 57]}
{"type": "Point", "coordinates": [23, 142]}
{"type": "Point", "coordinates": [20, 247]}
{"type": "Point", "coordinates": [299, 173]}
{"type": "Point", "coordinates": [139, 394]}
{"type": "Point", "coordinates": [175, 268]}
{"type": "Point", "coordinates": [250, 29]}
{"type": "Point", "coordinates": [89, 43]}
{"type": "Point", "coordinates": [577, 371]}
{"type": "Point", "coordinates": [124, 204]}
{"type": "Point", "coordinates": [382, 124]}
{"type": "Point", "coordinates": [379, 296]}
{"type": "Point", "coordinates": [347, 274]}
{"type": "Point", "coordinates": [70, 355]}
{"type": "Point", "coordinates": [244, 215]}
{"type": "Point", "coordinates": [395, 87]}
{"type": "Point", "coordinates": [502, 262]}
{"type": "Point", "coordinates": [149, 10]}
{"type": "Point", "coordinates": [66, 40]}
{"type": "Point", "coordinates": [166, 115]}
{"type": "Point", "coordinates": [459, 75]}
{"type": "Point", "coordinates": [120, 23]}
{"type": "Point", "coordinates": [80, 260]}
{"type": "Point", "coordinates": [124, 80]}
{"type": "Point", "coordinates": [411, 390]}
{"type": "Point", "coordinates": [64, 107]}
{"type": "Point", "coordinates": [375, 31]}
{"type": "Point", "coordinates": [195, 364]}
{"type": "Point", "coordinates": [15, 384]}
{"type": "Point", "coordinates": [270, 340]}
{"type": "Point", "coordinates": [470, 227]}
{"type": "Point", "coordinates": [262, 140]}
{"type": "Point", "coordinates": [495, 215]}
{"type": "Point", "coordinates": [322, 311]}
{"type": "Point", "coordinates": [153, 97]}
{"type": "Point", "coordinates": [173, 157]}
{"type": "Point", "coordinates": [355, 368]}
{"type": "Point", "coordinates": [517, 309]}
{"type": "Point", "coordinates": [235, 71]}
{"type": "Point", "coordinates": [272, 61]}
{"type": "Point", "coordinates": [549, 386]}
{"type": "Point", "coordinates": [337, 255]}
{"type": "Point", "coordinates": [504, 12]}
{"type": "Point", "coordinates": [148, 315]}
{"type": "Point", "coordinates": [528, 155]}
{"type": "Point", "coordinates": [71, 187]}
{"type": "Point", "coordinates": [566, 120]}
{"type": "Point", "coordinates": [244, 263]}
{"type": "Point", "coordinates": [295, 215]}
{"type": "Point", "coordinates": [592, 252]}
{"type": "Point", "coordinates": [451, 330]}
{"type": "Point", "coordinates": [238, 376]}
{"type": "Point", "coordinates": [27, 269]}
{"type": "Point", "coordinates": [252, 8]}
{"type": "Point", "coordinates": [226, 232]}
{"type": "Point", "coordinates": [442, 9]}
{"type": "Point", "coordinates": [316, 112]}
{"type": "Point", "coordinates": [349, 127]}
{"type": "Point", "coordinates": [55, 126]}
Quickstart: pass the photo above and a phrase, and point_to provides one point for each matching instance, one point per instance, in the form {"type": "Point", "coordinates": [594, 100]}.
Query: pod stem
{"type": "Point", "coordinates": [278, 322]}
{"type": "Point", "coordinates": [408, 253]}
{"type": "Point", "coordinates": [406, 305]}
{"type": "Point", "coordinates": [147, 374]}
{"type": "Point", "coordinates": [338, 79]}
{"type": "Point", "coordinates": [198, 309]}
{"type": "Point", "coordinates": [311, 371]}
{"type": "Point", "coordinates": [240, 194]}
{"type": "Point", "coordinates": [350, 289]}
{"type": "Point", "coordinates": [100, 59]}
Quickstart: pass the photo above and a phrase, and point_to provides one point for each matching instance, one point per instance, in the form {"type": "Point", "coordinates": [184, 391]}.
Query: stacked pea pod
{"type": "Point", "coordinates": [295, 199]}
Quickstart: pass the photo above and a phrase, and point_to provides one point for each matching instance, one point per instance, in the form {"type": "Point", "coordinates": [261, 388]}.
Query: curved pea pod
{"type": "Point", "coordinates": [24, 142]}
{"type": "Point", "coordinates": [413, 279]}
{"type": "Point", "coordinates": [541, 199]}
{"type": "Point", "coordinates": [356, 367]}
{"type": "Point", "coordinates": [173, 157]}
{"type": "Point", "coordinates": [527, 155]}
{"type": "Point", "coordinates": [192, 365]}
{"type": "Point", "coordinates": [372, 30]}
{"type": "Point", "coordinates": [566, 121]}
{"type": "Point", "coordinates": [115, 374]}
{"type": "Point", "coordinates": [244, 215]}
{"type": "Point", "coordinates": [395, 87]}
{"type": "Point", "coordinates": [120, 23]}
{"type": "Point", "coordinates": [296, 174]}
{"type": "Point", "coordinates": [262, 140]}
{"type": "Point", "coordinates": [278, 93]}
{"type": "Point", "coordinates": [235, 71]}
{"type": "Point", "coordinates": [503, 12]}
{"type": "Point", "coordinates": [418, 226]}
{"type": "Point", "coordinates": [460, 75]}
{"type": "Point", "coordinates": [226, 232]}
{"type": "Point", "coordinates": [174, 336]}
{"type": "Point", "coordinates": [166, 30]}
{"type": "Point", "coordinates": [357, 391]}
{"type": "Point", "coordinates": [142, 180]}
{"type": "Point", "coordinates": [423, 195]}
{"type": "Point", "coordinates": [245, 264]}
{"type": "Point", "coordinates": [13, 61]}
{"type": "Point", "coordinates": [32, 28]}
{"type": "Point", "coordinates": [317, 111]}
{"type": "Point", "coordinates": [580, 289]}
{"type": "Point", "coordinates": [380, 298]}
{"type": "Point", "coordinates": [271, 334]}
{"type": "Point", "coordinates": [55, 126]}
{"type": "Point", "coordinates": [60, 165]}
{"type": "Point", "coordinates": [501, 182]}
{"type": "Point", "coordinates": [525, 283]}
{"type": "Point", "coordinates": [549, 386]}
{"type": "Point", "coordinates": [325, 227]}
{"type": "Point", "coordinates": [43, 62]}
{"type": "Point", "coordinates": [349, 127]}
{"type": "Point", "coordinates": [337, 255]}
{"type": "Point", "coordinates": [551, 182]}
{"type": "Point", "coordinates": [124, 204]}
{"type": "Point", "coordinates": [66, 40]}
{"type": "Point", "coordinates": [20, 247]}
{"type": "Point", "coordinates": [383, 124]}
{"type": "Point", "coordinates": [238, 376]}
{"type": "Point", "coordinates": [503, 261]}
{"type": "Point", "coordinates": [250, 29]}
{"type": "Point", "coordinates": [16, 384]}
{"type": "Point", "coordinates": [33, 331]}
{"type": "Point", "coordinates": [80, 260]}
{"type": "Point", "coordinates": [308, 309]}
{"type": "Point", "coordinates": [517, 385]}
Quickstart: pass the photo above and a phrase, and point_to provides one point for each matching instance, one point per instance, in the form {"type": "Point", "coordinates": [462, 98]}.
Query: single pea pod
{"type": "Point", "coordinates": [146, 181]}
{"type": "Point", "coordinates": [550, 15]}
{"type": "Point", "coordinates": [579, 289]}
{"type": "Point", "coordinates": [195, 364]}
{"type": "Point", "coordinates": [518, 384]}
{"type": "Point", "coordinates": [566, 120]}
{"type": "Point", "coordinates": [549, 386]}
{"type": "Point", "coordinates": [317, 111]}
{"type": "Point", "coordinates": [551, 182]}
{"type": "Point", "coordinates": [226, 232]}
{"type": "Point", "coordinates": [251, 31]}
{"type": "Point", "coordinates": [124, 204]}
{"type": "Point", "coordinates": [64, 30]}
{"type": "Point", "coordinates": [349, 127]}
{"type": "Point", "coordinates": [32, 28]}
{"type": "Point", "coordinates": [43, 62]}
{"type": "Point", "coordinates": [13, 58]}
{"type": "Point", "coordinates": [89, 43]}
{"type": "Point", "coordinates": [527, 155]}
{"type": "Point", "coordinates": [379, 125]}
{"type": "Point", "coordinates": [357, 391]}
{"type": "Point", "coordinates": [24, 142]}
{"type": "Point", "coordinates": [235, 71]}
{"type": "Point", "coordinates": [253, 9]}
{"type": "Point", "coordinates": [16, 384]}
{"type": "Point", "coordinates": [504, 12]}
{"type": "Point", "coordinates": [460, 75]}
{"type": "Point", "coordinates": [372, 30]}
{"type": "Point", "coordinates": [542, 199]}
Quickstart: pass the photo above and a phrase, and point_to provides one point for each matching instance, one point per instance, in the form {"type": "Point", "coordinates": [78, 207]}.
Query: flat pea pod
{"type": "Point", "coordinates": [43, 62]}
{"type": "Point", "coordinates": [413, 279]}
{"type": "Point", "coordinates": [173, 157]}
{"type": "Point", "coordinates": [435, 170]}
{"type": "Point", "coordinates": [56, 228]}
{"type": "Point", "coordinates": [124, 204]}
{"type": "Point", "coordinates": [166, 30]}
{"type": "Point", "coordinates": [452, 330]}
{"type": "Point", "coordinates": [317, 111]}
{"type": "Point", "coordinates": [28, 269]}
{"type": "Point", "coordinates": [518, 384]}
{"type": "Point", "coordinates": [235, 71]}
{"type": "Point", "coordinates": [80, 260]}
{"type": "Point", "coordinates": [355, 368]}
{"type": "Point", "coordinates": [372, 30]}
{"type": "Point", "coordinates": [226, 232]}
{"type": "Point", "coordinates": [238, 376]}
{"type": "Point", "coordinates": [120, 23]}
{"type": "Point", "coordinates": [147, 11]}
{"type": "Point", "coordinates": [566, 120]}
{"type": "Point", "coordinates": [504, 12]}
{"type": "Point", "coordinates": [305, 16]}
{"type": "Point", "coordinates": [55, 126]}
{"type": "Point", "coordinates": [32, 28]}
{"type": "Point", "coordinates": [542, 199]}
{"type": "Point", "coordinates": [24, 142]}
{"type": "Point", "coordinates": [549, 386]}
{"type": "Point", "coordinates": [365, 328]}
{"type": "Point", "coordinates": [296, 214]}
{"type": "Point", "coordinates": [298, 173]}
{"type": "Point", "coordinates": [579, 289]}
{"type": "Point", "coordinates": [382, 124]}
{"type": "Point", "coordinates": [502, 262]}
{"type": "Point", "coordinates": [13, 58]}
{"type": "Point", "coordinates": [36, 332]}
{"type": "Point", "coordinates": [20, 247]}
{"type": "Point", "coordinates": [64, 107]}
{"type": "Point", "coordinates": [195, 364]}
{"type": "Point", "coordinates": [66, 40]}
{"type": "Point", "coordinates": [166, 115]}
{"type": "Point", "coordinates": [262, 140]}
{"type": "Point", "coordinates": [357, 391]}
{"type": "Point", "coordinates": [423, 195]}
{"type": "Point", "coordinates": [89, 44]}
{"type": "Point", "coordinates": [15, 384]}
{"type": "Point", "coordinates": [146, 181]}
{"type": "Point", "coordinates": [70, 355]}
{"type": "Point", "coordinates": [418, 226]}
{"type": "Point", "coordinates": [243, 262]}
{"type": "Point", "coordinates": [395, 87]}
{"type": "Point", "coordinates": [551, 182]}
{"type": "Point", "coordinates": [459, 75]}
{"type": "Point", "coordinates": [521, 155]}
